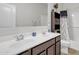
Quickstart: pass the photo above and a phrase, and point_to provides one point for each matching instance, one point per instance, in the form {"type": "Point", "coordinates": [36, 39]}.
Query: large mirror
{"type": "Point", "coordinates": [31, 14]}
{"type": "Point", "coordinates": [23, 17]}
{"type": "Point", "coordinates": [23, 14]}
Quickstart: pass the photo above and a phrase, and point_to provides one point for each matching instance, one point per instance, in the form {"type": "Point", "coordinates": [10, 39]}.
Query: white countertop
{"type": "Point", "coordinates": [13, 47]}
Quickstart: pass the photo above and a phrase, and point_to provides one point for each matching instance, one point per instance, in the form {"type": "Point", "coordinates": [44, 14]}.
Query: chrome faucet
{"type": "Point", "coordinates": [20, 37]}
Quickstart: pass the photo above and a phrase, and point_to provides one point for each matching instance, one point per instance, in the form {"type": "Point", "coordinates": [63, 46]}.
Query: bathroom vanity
{"type": "Point", "coordinates": [49, 47]}
{"type": "Point", "coordinates": [42, 44]}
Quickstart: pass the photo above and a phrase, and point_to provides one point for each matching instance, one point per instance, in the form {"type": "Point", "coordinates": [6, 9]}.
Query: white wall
{"type": "Point", "coordinates": [29, 13]}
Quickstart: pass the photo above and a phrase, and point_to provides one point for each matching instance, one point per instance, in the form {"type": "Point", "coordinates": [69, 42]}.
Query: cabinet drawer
{"type": "Point", "coordinates": [28, 52]}
{"type": "Point", "coordinates": [58, 38]}
{"type": "Point", "coordinates": [36, 50]}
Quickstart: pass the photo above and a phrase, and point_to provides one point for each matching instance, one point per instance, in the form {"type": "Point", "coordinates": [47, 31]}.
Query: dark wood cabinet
{"type": "Point", "coordinates": [58, 45]}
{"type": "Point", "coordinates": [51, 50]}
{"type": "Point", "coordinates": [52, 21]}
{"type": "Point", "coordinates": [50, 47]}
{"type": "Point", "coordinates": [42, 53]}
{"type": "Point", "coordinates": [37, 49]}
{"type": "Point", "coordinates": [28, 52]}
{"type": "Point", "coordinates": [57, 48]}
{"type": "Point", "coordinates": [55, 21]}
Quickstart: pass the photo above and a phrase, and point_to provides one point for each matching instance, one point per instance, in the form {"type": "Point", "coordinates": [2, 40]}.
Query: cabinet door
{"type": "Point", "coordinates": [36, 50]}
{"type": "Point", "coordinates": [42, 53]}
{"type": "Point", "coordinates": [51, 50]}
{"type": "Point", "coordinates": [58, 48]}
